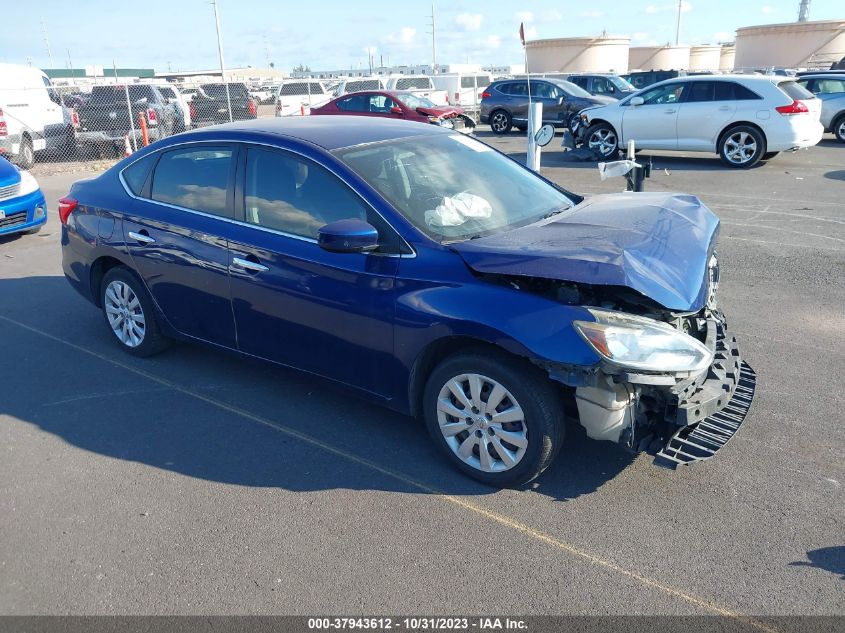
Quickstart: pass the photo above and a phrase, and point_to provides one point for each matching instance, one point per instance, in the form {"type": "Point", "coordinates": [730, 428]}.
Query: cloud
{"type": "Point", "coordinates": [405, 35]}
{"type": "Point", "coordinates": [592, 14]}
{"type": "Point", "coordinates": [524, 16]}
{"type": "Point", "coordinates": [766, 9]}
{"type": "Point", "coordinates": [469, 21]}
{"type": "Point", "coordinates": [551, 15]}
{"type": "Point", "coordinates": [493, 41]}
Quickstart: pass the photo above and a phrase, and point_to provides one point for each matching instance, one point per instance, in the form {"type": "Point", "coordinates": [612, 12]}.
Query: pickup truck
{"type": "Point", "coordinates": [210, 105]}
{"type": "Point", "coordinates": [104, 120]}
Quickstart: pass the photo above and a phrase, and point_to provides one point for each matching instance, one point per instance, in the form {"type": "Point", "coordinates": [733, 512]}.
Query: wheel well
{"type": "Point", "coordinates": [835, 120]}
{"type": "Point", "coordinates": [98, 270]}
{"type": "Point", "coordinates": [737, 124]}
{"type": "Point", "coordinates": [432, 356]}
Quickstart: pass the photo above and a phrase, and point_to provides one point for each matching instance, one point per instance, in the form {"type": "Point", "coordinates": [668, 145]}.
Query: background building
{"type": "Point", "coordinates": [793, 45]}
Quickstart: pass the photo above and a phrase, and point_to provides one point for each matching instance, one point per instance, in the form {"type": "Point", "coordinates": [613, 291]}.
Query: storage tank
{"type": "Point", "coordinates": [726, 57]}
{"type": "Point", "coordinates": [704, 57]}
{"type": "Point", "coordinates": [794, 45]}
{"type": "Point", "coordinates": [578, 54]}
{"type": "Point", "coordinates": [658, 57]}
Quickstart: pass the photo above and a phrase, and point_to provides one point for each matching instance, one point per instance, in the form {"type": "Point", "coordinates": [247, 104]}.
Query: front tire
{"type": "Point", "coordinates": [839, 128]}
{"type": "Point", "coordinates": [742, 147]}
{"type": "Point", "coordinates": [26, 155]}
{"type": "Point", "coordinates": [602, 138]}
{"type": "Point", "coordinates": [769, 155]}
{"type": "Point", "coordinates": [130, 314]}
{"type": "Point", "coordinates": [501, 122]}
{"type": "Point", "coordinates": [497, 418]}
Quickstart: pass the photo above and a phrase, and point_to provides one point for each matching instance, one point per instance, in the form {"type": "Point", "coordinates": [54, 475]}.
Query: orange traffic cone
{"type": "Point", "coordinates": [127, 149]}
{"type": "Point", "coordinates": [302, 110]}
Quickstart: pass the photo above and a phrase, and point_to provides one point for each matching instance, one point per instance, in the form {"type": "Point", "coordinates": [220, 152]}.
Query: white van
{"type": "Point", "coordinates": [463, 89]}
{"type": "Point", "coordinates": [421, 85]}
{"type": "Point", "coordinates": [298, 96]}
{"type": "Point", "coordinates": [358, 84]}
{"type": "Point", "coordinates": [32, 117]}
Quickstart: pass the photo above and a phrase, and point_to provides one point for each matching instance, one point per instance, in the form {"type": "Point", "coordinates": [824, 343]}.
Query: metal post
{"type": "Point", "coordinates": [535, 122]}
{"type": "Point", "coordinates": [131, 118]}
{"type": "Point", "coordinates": [433, 42]}
{"type": "Point", "coordinates": [222, 65]}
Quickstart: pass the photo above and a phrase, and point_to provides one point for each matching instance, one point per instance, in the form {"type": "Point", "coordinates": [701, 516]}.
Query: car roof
{"type": "Point", "coordinates": [825, 75]}
{"type": "Point", "coordinates": [328, 132]}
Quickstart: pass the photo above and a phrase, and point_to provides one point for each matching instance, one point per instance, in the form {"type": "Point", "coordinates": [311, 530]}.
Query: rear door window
{"type": "Point", "coordinates": [699, 91]}
{"type": "Point", "coordinates": [135, 176]}
{"type": "Point", "coordinates": [196, 179]}
{"type": "Point", "coordinates": [829, 86]}
{"type": "Point", "coordinates": [413, 83]}
{"type": "Point", "coordinates": [355, 103]}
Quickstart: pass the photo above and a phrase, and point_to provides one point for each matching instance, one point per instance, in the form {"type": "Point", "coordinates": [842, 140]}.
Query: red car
{"type": "Point", "coordinates": [398, 105]}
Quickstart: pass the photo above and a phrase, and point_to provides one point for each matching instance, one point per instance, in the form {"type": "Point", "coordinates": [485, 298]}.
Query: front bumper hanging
{"type": "Point", "coordinates": [701, 440]}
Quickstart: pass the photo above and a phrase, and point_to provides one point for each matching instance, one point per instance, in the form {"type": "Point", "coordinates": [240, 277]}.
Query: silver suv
{"type": "Point", "coordinates": [830, 89]}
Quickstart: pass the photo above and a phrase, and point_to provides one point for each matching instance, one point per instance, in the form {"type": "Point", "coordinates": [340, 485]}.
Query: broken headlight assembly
{"type": "Point", "coordinates": [642, 344]}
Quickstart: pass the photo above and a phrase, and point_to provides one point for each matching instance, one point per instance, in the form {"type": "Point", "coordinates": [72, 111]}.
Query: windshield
{"type": "Point", "coordinates": [572, 89]}
{"type": "Point", "coordinates": [621, 84]}
{"type": "Point", "coordinates": [452, 187]}
{"type": "Point", "coordinates": [414, 102]}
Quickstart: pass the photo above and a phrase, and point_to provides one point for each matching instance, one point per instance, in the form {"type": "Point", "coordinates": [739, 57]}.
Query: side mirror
{"type": "Point", "coordinates": [395, 110]}
{"type": "Point", "coordinates": [636, 101]}
{"type": "Point", "coordinates": [348, 236]}
{"type": "Point", "coordinates": [561, 100]}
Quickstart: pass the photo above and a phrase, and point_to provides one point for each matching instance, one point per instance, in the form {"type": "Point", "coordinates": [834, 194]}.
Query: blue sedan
{"type": "Point", "coordinates": [22, 205]}
{"type": "Point", "coordinates": [426, 271]}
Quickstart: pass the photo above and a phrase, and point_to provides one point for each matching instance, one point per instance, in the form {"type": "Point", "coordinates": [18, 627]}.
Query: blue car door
{"type": "Point", "coordinates": [176, 231]}
{"type": "Point", "coordinates": [295, 303]}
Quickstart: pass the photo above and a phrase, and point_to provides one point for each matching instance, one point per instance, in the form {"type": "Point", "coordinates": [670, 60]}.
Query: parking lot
{"type": "Point", "coordinates": [198, 483]}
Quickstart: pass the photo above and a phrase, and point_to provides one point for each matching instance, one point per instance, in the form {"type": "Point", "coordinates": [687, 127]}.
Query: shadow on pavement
{"type": "Point", "coordinates": [830, 559]}
{"type": "Point", "coordinates": [111, 411]}
{"type": "Point", "coordinates": [836, 174]}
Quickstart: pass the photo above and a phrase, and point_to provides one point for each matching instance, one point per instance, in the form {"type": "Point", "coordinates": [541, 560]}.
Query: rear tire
{"type": "Point", "coordinates": [130, 314]}
{"type": "Point", "coordinates": [500, 122]}
{"type": "Point", "coordinates": [742, 147]}
{"type": "Point", "coordinates": [462, 418]}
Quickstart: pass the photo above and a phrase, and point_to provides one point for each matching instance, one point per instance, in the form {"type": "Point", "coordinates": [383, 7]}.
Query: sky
{"type": "Point", "coordinates": [328, 34]}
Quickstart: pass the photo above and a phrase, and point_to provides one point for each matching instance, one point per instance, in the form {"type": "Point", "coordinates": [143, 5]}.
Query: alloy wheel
{"type": "Point", "coordinates": [125, 314]}
{"type": "Point", "coordinates": [603, 140]}
{"type": "Point", "coordinates": [499, 122]}
{"type": "Point", "coordinates": [482, 423]}
{"type": "Point", "coordinates": [840, 130]}
{"type": "Point", "coordinates": [740, 147]}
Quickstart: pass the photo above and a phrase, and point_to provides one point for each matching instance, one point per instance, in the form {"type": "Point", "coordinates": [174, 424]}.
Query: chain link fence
{"type": "Point", "coordinates": [88, 126]}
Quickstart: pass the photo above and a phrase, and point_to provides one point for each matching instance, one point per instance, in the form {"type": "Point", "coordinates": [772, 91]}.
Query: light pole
{"type": "Point", "coordinates": [220, 52]}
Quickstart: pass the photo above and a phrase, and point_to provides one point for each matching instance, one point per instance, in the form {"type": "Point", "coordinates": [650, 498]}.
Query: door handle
{"type": "Point", "coordinates": [248, 265]}
{"type": "Point", "coordinates": [725, 108]}
{"type": "Point", "coordinates": [670, 111]}
{"type": "Point", "coordinates": [141, 237]}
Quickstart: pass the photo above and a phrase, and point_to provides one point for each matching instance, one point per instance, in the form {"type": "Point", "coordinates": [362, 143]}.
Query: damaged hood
{"type": "Point", "coordinates": [658, 244]}
{"type": "Point", "coordinates": [442, 112]}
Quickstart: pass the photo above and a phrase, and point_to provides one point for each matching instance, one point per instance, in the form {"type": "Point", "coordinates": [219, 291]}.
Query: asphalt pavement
{"type": "Point", "coordinates": [195, 482]}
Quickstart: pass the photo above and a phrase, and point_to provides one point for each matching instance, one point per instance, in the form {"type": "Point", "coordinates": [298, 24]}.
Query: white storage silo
{"type": "Point", "coordinates": [658, 57]}
{"type": "Point", "coordinates": [704, 57]}
{"type": "Point", "coordinates": [578, 54]}
{"type": "Point", "coordinates": [793, 45]}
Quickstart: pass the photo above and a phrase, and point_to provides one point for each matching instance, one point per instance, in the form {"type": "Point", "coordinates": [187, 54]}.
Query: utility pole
{"type": "Point", "coordinates": [433, 41]}
{"type": "Point", "coordinates": [804, 11]}
{"type": "Point", "coordinates": [220, 52]}
{"type": "Point", "coordinates": [47, 42]}
{"type": "Point", "coordinates": [678, 29]}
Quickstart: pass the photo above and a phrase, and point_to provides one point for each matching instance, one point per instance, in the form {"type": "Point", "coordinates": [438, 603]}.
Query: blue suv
{"type": "Point", "coordinates": [425, 271]}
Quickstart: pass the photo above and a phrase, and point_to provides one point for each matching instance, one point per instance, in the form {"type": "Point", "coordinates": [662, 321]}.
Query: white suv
{"type": "Point", "coordinates": [743, 118]}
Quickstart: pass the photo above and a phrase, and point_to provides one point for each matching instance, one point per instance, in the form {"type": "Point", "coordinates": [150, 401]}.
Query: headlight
{"type": "Point", "coordinates": [28, 183]}
{"type": "Point", "coordinates": [643, 344]}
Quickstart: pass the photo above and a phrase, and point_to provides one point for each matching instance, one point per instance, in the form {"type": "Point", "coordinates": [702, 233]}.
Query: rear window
{"type": "Point", "coordinates": [413, 83]}
{"type": "Point", "coordinates": [117, 94]}
{"type": "Point", "coordinates": [195, 179]}
{"type": "Point", "coordinates": [472, 81]}
{"type": "Point", "coordinates": [301, 88]}
{"type": "Point", "coordinates": [366, 84]}
{"type": "Point", "coordinates": [795, 91]}
{"type": "Point", "coordinates": [218, 91]}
